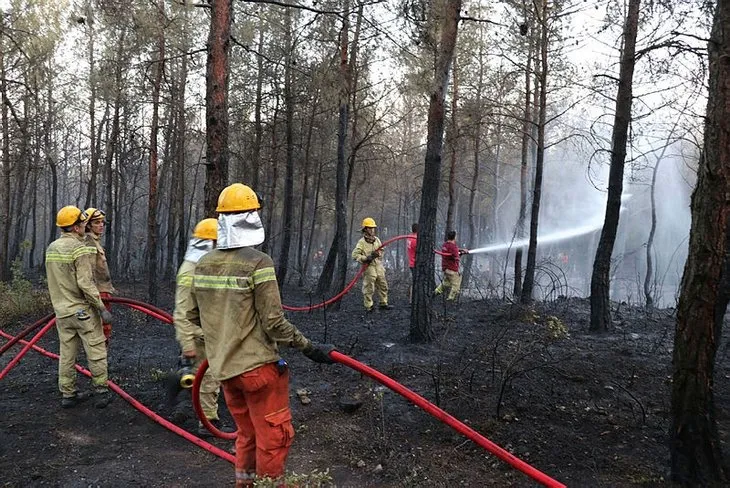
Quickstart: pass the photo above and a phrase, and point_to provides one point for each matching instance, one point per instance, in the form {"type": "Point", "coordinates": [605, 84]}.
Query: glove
{"type": "Point", "coordinates": [106, 317]}
{"type": "Point", "coordinates": [368, 259]}
{"type": "Point", "coordinates": [319, 353]}
{"type": "Point", "coordinates": [463, 251]}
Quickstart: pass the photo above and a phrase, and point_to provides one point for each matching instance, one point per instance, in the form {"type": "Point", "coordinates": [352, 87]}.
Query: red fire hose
{"type": "Point", "coordinates": [141, 407]}
{"type": "Point", "coordinates": [27, 347]}
{"type": "Point", "coordinates": [349, 285]}
{"type": "Point", "coordinates": [449, 420]}
{"type": "Point", "coordinates": [24, 333]}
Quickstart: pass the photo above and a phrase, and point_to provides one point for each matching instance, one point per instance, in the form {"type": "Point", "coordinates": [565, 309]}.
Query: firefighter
{"type": "Point", "coordinates": [78, 307]}
{"type": "Point", "coordinates": [102, 278]}
{"type": "Point", "coordinates": [368, 253]}
{"type": "Point", "coordinates": [451, 255]}
{"type": "Point", "coordinates": [188, 334]}
{"type": "Point", "coordinates": [239, 306]}
{"type": "Point", "coordinates": [411, 244]}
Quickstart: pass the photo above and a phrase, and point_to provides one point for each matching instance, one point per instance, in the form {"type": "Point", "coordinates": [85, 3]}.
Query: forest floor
{"type": "Point", "coordinates": [588, 410]}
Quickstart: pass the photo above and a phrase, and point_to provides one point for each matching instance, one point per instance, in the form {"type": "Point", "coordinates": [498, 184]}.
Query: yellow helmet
{"type": "Point", "coordinates": [237, 198]}
{"type": "Point", "coordinates": [95, 214]}
{"type": "Point", "coordinates": [206, 229]}
{"type": "Point", "coordinates": [368, 222]}
{"type": "Point", "coordinates": [70, 215]}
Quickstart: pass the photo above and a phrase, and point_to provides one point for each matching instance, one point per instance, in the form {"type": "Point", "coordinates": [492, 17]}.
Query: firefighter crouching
{"type": "Point", "coordinates": [188, 334]}
{"type": "Point", "coordinates": [78, 308]}
{"type": "Point", "coordinates": [239, 307]}
{"type": "Point", "coordinates": [94, 230]}
{"type": "Point", "coordinates": [367, 252]}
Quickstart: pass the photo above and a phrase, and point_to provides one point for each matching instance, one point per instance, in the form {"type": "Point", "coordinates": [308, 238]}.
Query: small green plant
{"type": "Point", "coordinates": [18, 299]}
{"type": "Point", "coordinates": [315, 479]}
{"type": "Point", "coordinates": [556, 328]}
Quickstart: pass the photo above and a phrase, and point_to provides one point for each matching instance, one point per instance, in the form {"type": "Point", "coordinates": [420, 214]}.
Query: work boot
{"type": "Point", "coordinates": [204, 432]}
{"type": "Point", "coordinates": [368, 309]}
{"type": "Point", "coordinates": [103, 398]}
{"type": "Point", "coordinates": [72, 401]}
{"type": "Point", "coordinates": [385, 306]}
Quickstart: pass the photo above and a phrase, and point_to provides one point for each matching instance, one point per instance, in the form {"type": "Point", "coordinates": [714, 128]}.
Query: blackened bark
{"type": "Point", "coordinates": [601, 280]}
{"type": "Point", "coordinates": [696, 457]}
{"type": "Point", "coordinates": [420, 327]}
{"type": "Point", "coordinates": [216, 102]}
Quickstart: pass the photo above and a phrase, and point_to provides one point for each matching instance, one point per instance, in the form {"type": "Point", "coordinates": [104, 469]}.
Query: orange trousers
{"type": "Point", "coordinates": [107, 328]}
{"type": "Point", "coordinates": [259, 403]}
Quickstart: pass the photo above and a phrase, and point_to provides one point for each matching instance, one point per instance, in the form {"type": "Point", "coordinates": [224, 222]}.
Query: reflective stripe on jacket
{"type": "Point", "coordinates": [186, 313]}
{"type": "Point", "coordinates": [237, 297]}
{"type": "Point", "coordinates": [70, 275]}
{"type": "Point", "coordinates": [101, 268]}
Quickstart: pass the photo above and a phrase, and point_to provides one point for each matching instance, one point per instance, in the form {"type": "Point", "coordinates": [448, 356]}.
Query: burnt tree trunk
{"type": "Point", "coordinates": [696, 457]}
{"type": "Point", "coordinates": [216, 102]}
{"type": "Point", "coordinates": [420, 326]}
{"type": "Point", "coordinates": [152, 225]}
{"type": "Point", "coordinates": [600, 279]}
{"type": "Point", "coordinates": [529, 282]}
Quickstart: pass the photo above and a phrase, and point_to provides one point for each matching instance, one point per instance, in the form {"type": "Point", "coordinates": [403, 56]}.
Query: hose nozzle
{"type": "Point", "coordinates": [186, 373]}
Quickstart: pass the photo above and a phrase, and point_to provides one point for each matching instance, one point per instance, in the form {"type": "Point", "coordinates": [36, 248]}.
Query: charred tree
{"type": "Point", "coordinates": [600, 279]}
{"type": "Point", "coordinates": [420, 326]}
{"type": "Point", "coordinates": [216, 102]}
{"type": "Point", "coordinates": [696, 457]}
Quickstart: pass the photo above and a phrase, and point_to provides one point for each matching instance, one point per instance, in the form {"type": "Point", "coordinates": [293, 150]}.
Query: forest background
{"type": "Point", "coordinates": [334, 111]}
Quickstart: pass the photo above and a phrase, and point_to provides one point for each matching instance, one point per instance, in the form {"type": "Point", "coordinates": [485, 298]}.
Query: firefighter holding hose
{"type": "Point", "coordinates": [367, 251]}
{"type": "Point", "coordinates": [94, 230]}
{"type": "Point", "coordinates": [78, 308]}
{"type": "Point", "coordinates": [188, 334]}
{"type": "Point", "coordinates": [237, 298]}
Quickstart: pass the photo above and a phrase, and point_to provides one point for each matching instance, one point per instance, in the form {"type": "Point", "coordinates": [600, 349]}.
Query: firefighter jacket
{"type": "Point", "coordinates": [450, 258]}
{"type": "Point", "coordinates": [70, 275]}
{"type": "Point", "coordinates": [186, 315]}
{"type": "Point", "coordinates": [101, 269]}
{"type": "Point", "coordinates": [363, 249]}
{"type": "Point", "coordinates": [237, 298]}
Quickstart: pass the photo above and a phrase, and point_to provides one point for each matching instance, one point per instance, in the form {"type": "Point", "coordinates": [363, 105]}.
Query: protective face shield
{"type": "Point", "coordinates": [197, 248]}
{"type": "Point", "coordinates": [240, 230]}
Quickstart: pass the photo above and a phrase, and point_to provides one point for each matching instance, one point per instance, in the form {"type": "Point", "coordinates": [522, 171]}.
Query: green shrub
{"type": "Point", "coordinates": [19, 300]}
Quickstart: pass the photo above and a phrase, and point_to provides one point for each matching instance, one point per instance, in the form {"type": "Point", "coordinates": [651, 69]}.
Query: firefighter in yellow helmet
{"type": "Point", "coordinates": [243, 322]}
{"type": "Point", "coordinates": [189, 334]}
{"type": "Point", "coordinates": [367, 252]}
{"type": "Point", "coordinates": [94, 230]}
{"type": "Point", "coordinates": [78, 307]}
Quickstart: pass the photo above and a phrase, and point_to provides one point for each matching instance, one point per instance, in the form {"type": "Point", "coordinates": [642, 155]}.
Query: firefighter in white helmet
{"type": "Point", "coordinates": [188, 334]}
{"type": "Point", "coordinates": [78, 307]}
{"type": "Point", "coordinates": [368, 252]}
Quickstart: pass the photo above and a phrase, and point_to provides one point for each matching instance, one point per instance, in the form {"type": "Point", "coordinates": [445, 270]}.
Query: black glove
{"type": "Point", "coordinates": [319, 353]}
{"type": "Point", "coordinates": [106, 317]}
{"type": "Point", "coordinates": [368, 259]}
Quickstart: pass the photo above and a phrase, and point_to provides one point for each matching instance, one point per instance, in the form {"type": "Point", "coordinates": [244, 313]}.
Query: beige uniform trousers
{"type": "Point", "coordinates": [374, 280]}
{"type": "Point", "coordinates": [209, 387]}
{"type": "Point", "coordinates": [73, 332]}
{"type": "Point", "coordinates": [452, 281]}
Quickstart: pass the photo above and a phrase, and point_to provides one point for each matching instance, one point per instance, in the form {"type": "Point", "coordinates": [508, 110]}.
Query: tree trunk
{"type": "Point", "coordinates": [600, 279]}
{"type": "Point", "coordinates": [338, 250]}
{"type": "Point", "coordinates": [420, 326]}
{"type": "Point", "coordinates": [453, 140]}
{"type": "Point", "coordinates": [152, 224]}
{"type": "Point", "coordinates": [529, 282]}
{"type": "Point", "coordinates": [258, 126]}
{"type": "Point", "coordinates": [696, 457]}
{"type": "Point", "coordinates": [216, 102]}
{"type": "Point", "coordinates": [7, 217]}
{"type": "Point", "coordinates": [93, 154]}
{"type": "Point", "coordinates": [288, 217]}
{"type": "Point", "coordinates": [524, 161]}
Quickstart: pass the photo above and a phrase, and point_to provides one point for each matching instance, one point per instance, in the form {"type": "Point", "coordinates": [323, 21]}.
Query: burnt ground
{"type": "Point", "coordinates": [587, 410]}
